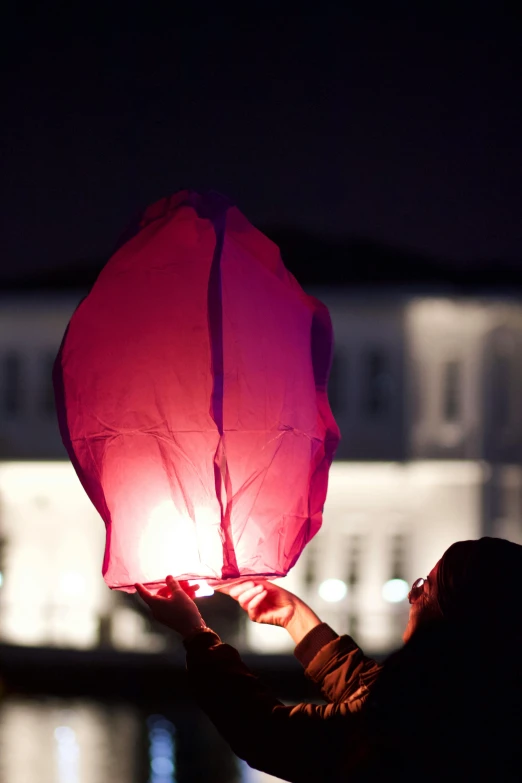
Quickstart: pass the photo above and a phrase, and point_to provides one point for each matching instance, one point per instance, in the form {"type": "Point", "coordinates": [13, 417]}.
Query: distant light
{"type": "Point", "coordinates": [395, 590]}
{"type": "Point", "coordinates": [333, 590]}
{"type": "Point", "coordinates": [72, 584]}
{"type": "Point", "coordinates": [204, 588]}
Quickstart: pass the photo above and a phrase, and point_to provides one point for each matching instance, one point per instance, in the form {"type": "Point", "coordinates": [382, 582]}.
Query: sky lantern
{"type": "Point", "coordinates": [191, 396]}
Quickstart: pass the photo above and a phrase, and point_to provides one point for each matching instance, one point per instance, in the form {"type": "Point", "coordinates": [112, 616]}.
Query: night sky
{"type": "Point", "coordinates": [383, 120]}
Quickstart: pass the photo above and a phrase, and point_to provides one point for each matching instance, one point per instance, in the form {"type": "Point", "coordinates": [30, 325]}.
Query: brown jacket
{"type": "Point", "coordinates": [446, 706]}
{"type": "Point", "coordinates": [300, 743]}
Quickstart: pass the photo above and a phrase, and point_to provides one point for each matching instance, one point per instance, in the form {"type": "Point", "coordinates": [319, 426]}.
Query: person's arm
{"type": "Point", "coordinates": [336, 664]}
{"type": "Point", "coordinates": [303, 743]}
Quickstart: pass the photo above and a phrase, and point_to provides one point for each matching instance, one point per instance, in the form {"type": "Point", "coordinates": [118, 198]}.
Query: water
{"type": "Point", "coordinates": [85, 741]}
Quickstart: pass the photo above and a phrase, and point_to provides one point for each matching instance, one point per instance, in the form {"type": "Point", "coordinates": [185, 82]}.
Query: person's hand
{"type": "Point", "coordinates": [268, 603]}
{"type": "Point", "coordinates": [265, 602]}
{"type": "Point", "coordinates": [173, 606]}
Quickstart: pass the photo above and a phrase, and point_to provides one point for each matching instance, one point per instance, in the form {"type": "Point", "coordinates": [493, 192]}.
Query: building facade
{"type": "Point", "coordinates": [425, 389]}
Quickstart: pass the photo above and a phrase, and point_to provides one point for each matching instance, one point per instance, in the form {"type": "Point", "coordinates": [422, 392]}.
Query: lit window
{"type": "Point", "coordinates": [11, 384]}
{"type": "Point", "coordinates": [452, 391]}
{"type": "Point", "coordinates": [377, 381]}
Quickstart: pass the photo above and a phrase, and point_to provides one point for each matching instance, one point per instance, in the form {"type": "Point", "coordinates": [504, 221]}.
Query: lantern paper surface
{"type": "Point", "coordinates": [191, 396]}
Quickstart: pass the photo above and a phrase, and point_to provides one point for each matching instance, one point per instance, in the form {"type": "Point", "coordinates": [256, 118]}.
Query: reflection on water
{"type": "Point", "coordinates": [162, 749]}
{"type": "Point", "coordinates": [81, 741]}
{"type": "Point", "coordinates": [67, 742]}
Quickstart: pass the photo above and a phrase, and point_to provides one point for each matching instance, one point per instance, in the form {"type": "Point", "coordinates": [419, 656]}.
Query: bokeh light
{"type": "Point", "coordinates": [395, 590]}
{"type": "Point", "coordinates": [333, 590]}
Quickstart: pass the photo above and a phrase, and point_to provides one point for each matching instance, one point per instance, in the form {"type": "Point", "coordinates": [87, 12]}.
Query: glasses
{"type": "Point", "coordinates": [417, 589]}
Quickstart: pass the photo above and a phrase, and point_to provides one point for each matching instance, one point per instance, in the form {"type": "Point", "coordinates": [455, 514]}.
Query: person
{"type": "Point", "coordinates": [446, 704]}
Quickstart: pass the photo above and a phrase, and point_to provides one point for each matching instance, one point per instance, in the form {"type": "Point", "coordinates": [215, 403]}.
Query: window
{"type": "Point", "coordinates": [398, 556]}
{"type": "Point", "coordinates": [310, 573]}
{"type": "Point", "coordinates": [353, 578]}
{"type": "Point", "coordinates": [377, 382]}
{"type": "Point", "coordinates": [452, 382]}
{"type": "Point", "coordinates": [353, 561]}
{"type": "Point", "coordinates": [416, 391]}
{"type": "Point", "coordinates": [47, 406]}
{"type": "Point", "coordinates": [353, 625]}
{"type": "Point", "coordinates": [502, 383]}
{"type": "Point", "coordinates": [11, 384]}
{"type": "Point", "coordinates": [507, 499]}
{"type": "Point", "coordinates": [336, 383]}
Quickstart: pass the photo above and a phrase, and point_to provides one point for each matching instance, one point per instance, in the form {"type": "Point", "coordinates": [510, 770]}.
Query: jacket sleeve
{"type": "Point", "coordinates": [338, 666]}
{"type": "Point", "coordinates": [300, 743]}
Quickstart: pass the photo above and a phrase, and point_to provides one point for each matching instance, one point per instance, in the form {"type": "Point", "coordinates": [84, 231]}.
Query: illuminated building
{"type": "Point", "coordinates": [425, 389]}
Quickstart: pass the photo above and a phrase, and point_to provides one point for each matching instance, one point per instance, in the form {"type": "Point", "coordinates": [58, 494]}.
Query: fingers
{"type": "Point", "coordinates": [256, 601]}
{"type": "Point", "coordinates": [164, 592]}
{"type": "Point", "coordinates": [169, 590]}
{"type": "Point", "coordinates": [148, 596]}
{"type": "Point", "coordinates": [190, 588]}
{"type": "Point", "coordinates": [173, 584]}
{"type": "Point", "coordinates": [237, 590]}
{"type": "Point", "coordinates": [143, 592]}
{"type": "Point", "coordinates": [246, 597]}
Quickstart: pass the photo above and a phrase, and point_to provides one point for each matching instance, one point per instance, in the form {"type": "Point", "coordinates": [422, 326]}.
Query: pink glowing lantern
{"type": "Point", "coordinates": [191, 396]}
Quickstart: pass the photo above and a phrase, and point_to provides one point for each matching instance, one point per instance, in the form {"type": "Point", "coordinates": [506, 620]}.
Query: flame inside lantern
{"type": "Point", "coordinates": [173, 543]}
